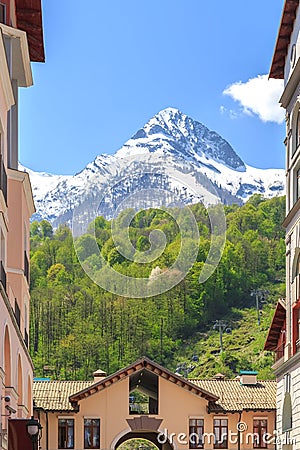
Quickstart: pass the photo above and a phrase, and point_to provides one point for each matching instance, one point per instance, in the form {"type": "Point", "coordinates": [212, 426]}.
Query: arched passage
{"type": "Point", "coordinates": [7, 358]}
{"type": "Point", "coordinates": [138, 444]}
{"type": "Point", "coordinates": [150, 436]}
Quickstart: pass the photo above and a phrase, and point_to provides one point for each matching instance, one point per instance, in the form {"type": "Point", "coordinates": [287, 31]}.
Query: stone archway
{"type": "Point", "coordinates": [150, 436]}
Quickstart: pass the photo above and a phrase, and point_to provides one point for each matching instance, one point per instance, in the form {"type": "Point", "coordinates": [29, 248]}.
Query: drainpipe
{"type": "Point", "coordinates": [39, 410]}
{"type": "Point", "coordinates": [47, 433]}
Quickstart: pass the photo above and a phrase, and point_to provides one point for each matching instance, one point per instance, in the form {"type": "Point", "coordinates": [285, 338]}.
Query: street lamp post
{"type": "Point", "coordinates": [34, 431]}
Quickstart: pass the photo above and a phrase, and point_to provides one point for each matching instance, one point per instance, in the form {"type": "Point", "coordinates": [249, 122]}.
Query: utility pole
{"type": "Point", "coordinates": [221, 326]}
{"type": "Point", "coordinates": [261, 295]}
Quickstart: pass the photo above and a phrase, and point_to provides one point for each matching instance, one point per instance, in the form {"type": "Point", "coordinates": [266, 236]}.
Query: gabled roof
{"type": "Point", "coordinates": [235, 397]}
{"type": "Point", "coordinates": [283, 38]}
{"type": "Point", "coordinates": [65, 395]}
{"type": "Point", "coordinates": [276, 326]}
{"type": "Point", "coordinates": [222, 395]}
{"type": "Point", "coordinates": [29, 19]}
{"type": "Point", "coordinates": [140, 364]}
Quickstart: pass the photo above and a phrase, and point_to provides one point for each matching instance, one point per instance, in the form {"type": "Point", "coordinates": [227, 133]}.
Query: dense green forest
{"type": "Point", "coordinates": [78, 327]}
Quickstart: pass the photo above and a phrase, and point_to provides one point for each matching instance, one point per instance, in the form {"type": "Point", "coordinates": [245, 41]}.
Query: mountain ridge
{"type": "Point", "coordinates": [172, 153]}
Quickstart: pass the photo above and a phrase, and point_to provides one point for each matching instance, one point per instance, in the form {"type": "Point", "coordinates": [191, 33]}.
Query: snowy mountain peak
{"type": "Point", "coordinates": [173, 155]}
{"type": "Point", "coordinates": [171, 131]}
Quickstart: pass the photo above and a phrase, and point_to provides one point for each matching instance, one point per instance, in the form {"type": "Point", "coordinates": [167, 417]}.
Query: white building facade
{"type": "Point", "coordinates": [284, 335]}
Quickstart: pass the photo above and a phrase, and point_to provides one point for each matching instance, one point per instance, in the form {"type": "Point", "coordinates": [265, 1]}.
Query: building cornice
{"type": "Point", "coordinates": [287, 365]}
{"type": "Point", "coordinates": [14, 33]}
{"type": "Point", "coordinates": [291, 214]}
{"type": "Point", "coordinates": [290, 86]}
{"type": "Point", "coordinates": [23, 177]}
{"type": "Point", "coordinates": [4, 76]}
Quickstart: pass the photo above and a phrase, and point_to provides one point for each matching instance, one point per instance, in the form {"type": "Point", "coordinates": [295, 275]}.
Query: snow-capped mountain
{"type": "Point", "coordinates": [173, 160]}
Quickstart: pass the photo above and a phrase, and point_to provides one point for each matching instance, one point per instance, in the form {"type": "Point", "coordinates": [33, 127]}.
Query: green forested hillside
{"type": "Point", "coordinates": [77, 327]}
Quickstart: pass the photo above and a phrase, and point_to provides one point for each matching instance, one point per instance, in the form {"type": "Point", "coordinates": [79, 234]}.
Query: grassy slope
{"type": "Point", "coordinates": [242, 348]}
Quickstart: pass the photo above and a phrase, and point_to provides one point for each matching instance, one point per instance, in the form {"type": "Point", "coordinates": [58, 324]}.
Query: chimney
{"type": "Point", "coordinates": [99, 375]}
{"type": "Point", "coordinates": [219, 376]}
{"type": "Point", "coordinates": [248, 377]}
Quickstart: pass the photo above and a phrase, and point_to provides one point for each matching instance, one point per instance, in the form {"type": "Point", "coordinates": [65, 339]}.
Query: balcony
{"type": "Point", "coordinates": [26, 267]}
{"type": "Point", "coordinates": [2, 275]}
{"type": "Point", "coordinates": [3, 179]}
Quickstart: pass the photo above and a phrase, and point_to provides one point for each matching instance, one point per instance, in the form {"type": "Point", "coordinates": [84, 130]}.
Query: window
{"type": "Point", "coordinates": [287, 382]}
{"type": "Point", "coordinates": [91, 433]}
{"type": "Point", "coordinates": [196, 430]}
{"type": "Point", "coordinates": [65, 433]}
{"type": "Point", "coordinates": [2, 13]}
{"type": "Point", "coordinates": [297, 184]}
{"type": "Point", "coordinates": [143, 393]}
{"type": "Point", "coordinates": [297, 131]}
{"type": "Point", "coordinates": [259, 431]}
{"type": "Point", "coordinates": [220, 433]}
{"type": "Point", "coordinates": [287, 411]}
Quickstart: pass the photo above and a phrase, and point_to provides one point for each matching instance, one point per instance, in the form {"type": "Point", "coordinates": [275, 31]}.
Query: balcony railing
{"type": "Point", "coordinates": [2, 275]}
{"type": "Point", "coordinates": [138, 408]}
{"type": "Point", "coordinates": [3, 179]}
{"type": "Point", "coordinates": [26, 267]}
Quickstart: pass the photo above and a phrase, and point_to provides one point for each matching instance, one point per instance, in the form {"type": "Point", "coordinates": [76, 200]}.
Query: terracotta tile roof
{"type": "Point", "coordinates": [232, 396]}
{"type": "Point", "coordinates": [54, 395]}
{"type": "Point", "coordinates": [236, 397]}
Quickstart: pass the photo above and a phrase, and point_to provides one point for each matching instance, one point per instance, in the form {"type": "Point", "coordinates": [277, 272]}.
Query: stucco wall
{"type": "Point", "coordinates": [176, 407]}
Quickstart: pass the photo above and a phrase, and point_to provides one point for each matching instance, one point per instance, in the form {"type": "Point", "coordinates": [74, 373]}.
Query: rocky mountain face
{"type": "Point", "coordinates": [172, 161]}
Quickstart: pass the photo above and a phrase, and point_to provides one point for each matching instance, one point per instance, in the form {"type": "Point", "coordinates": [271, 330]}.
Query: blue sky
{"type": "Point", "coordinates": [111, 65]}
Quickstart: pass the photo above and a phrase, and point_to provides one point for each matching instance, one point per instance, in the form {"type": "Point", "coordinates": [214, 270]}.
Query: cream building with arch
{"type": "Point", "coordinates": [145, 400]}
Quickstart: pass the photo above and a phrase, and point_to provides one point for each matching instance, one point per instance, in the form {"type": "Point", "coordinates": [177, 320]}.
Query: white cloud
{"type": "Point", "coordinates": [259, 96]}
{"type": "Point", "coordinates": [230, 112]}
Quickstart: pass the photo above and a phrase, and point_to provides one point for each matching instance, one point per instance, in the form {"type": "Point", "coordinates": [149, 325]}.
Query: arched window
{"type": "Point", "coordinates": [20, 382]}
{"type": "Point", "coordinates": [7, 358]}
{"type": "Point", "coordinates": [287, 413]}
{"type": "Point", "coordinates": [296, 268]}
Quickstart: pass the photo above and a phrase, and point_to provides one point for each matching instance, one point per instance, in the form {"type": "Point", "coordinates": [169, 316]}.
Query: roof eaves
{"type": "Point", "coordinates": [141, 363]}
{"type": "Point", "coordinates": [283, 38]}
